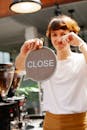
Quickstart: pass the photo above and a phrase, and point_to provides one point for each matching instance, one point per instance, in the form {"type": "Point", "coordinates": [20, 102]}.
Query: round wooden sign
{"type": "Point", "coordinates": [40, 64]}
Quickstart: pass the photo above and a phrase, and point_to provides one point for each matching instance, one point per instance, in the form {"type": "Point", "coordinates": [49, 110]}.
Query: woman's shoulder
{"type": "Point", "coordinates": [78, 58]}
{"type": "Point", "coordinates": [77, 55]}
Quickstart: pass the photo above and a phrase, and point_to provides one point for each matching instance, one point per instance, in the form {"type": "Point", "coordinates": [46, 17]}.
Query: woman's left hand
{"type": "Point", "coordinates": [73, 39]}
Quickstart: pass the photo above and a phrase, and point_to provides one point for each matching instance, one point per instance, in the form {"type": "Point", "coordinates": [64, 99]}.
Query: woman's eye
{"type": "Point", "coordinates": [63, 34]}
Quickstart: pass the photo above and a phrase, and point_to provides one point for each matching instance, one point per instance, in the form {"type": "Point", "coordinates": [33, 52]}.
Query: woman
{"type": "Point", "coordinates": [65, 98]}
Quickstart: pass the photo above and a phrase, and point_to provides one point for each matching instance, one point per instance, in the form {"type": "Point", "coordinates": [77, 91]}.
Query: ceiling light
{"type": "Point", "coordinates": [25, 6]}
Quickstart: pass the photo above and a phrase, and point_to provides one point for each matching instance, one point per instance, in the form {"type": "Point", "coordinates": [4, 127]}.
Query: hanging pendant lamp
{"type": "Point", "coordinates": [25, 6]}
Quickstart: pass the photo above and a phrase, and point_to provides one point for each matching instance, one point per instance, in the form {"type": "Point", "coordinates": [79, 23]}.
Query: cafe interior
{"type": "Point", "coordinates": [21, 99]}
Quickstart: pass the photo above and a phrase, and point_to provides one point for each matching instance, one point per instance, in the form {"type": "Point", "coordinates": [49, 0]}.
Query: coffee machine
{"type": "Point", "coordinates": [6, 107]}
{"type": "Point", "coordinates": [6, 77]}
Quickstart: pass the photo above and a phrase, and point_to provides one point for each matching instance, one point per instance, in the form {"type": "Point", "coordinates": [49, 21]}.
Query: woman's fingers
{"type": "Point", "coordinates": [32, 44]}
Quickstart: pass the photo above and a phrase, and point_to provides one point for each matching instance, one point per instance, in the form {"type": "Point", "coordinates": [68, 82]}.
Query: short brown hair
{"type": "Point", "coordinates": [62, 22]}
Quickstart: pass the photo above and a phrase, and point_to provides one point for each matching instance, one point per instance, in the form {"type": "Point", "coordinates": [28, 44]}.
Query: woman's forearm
{"type": "Point", "coordinates": [20, 62]}
{"type": "Point", "coordinates": [83, 49]}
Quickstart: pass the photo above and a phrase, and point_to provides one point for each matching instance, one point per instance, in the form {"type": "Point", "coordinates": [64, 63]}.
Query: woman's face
{"type": "Point", "coordinates": [56, 39]}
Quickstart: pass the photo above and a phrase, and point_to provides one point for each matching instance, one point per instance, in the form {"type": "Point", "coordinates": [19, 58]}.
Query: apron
{"type": "Point", "coordinates": [77, 121]}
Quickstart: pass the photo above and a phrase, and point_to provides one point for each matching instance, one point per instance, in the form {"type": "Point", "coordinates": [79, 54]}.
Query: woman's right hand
{"type": "Point", "coordinates": [27, 47]}
{"type": "Point", "coordinates": [31, 45]}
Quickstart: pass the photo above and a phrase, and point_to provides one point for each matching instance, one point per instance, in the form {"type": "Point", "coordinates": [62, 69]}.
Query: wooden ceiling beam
{"type": "Point", "coordinates": [48, 3]}
{"type": "Point", "coordinates": [4, 8]}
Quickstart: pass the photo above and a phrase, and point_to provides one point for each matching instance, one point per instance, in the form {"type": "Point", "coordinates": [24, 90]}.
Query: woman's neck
{"type": "Point", "coordinates": [63, 54]}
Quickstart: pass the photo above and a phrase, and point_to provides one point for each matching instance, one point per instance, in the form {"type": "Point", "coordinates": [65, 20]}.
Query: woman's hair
{"type": "Point", "coordinates": [62, 22]}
